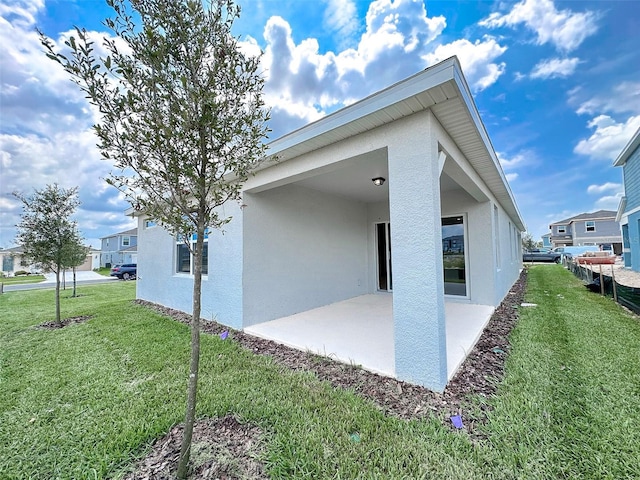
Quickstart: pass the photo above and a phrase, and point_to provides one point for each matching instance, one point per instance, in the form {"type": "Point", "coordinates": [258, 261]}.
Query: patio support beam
{"type": "Point", "coordinates": [416, 239]}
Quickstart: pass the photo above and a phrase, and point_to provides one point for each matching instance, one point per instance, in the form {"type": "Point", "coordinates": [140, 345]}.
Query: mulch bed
{"type": "Point", "coordinates": [232, 446]}
{"type": "Point", "coordinates": [478, 375]}
{"type": "Point", "coordinates": [53, 325]}
{"type": "Point", "coordinates": [221, 448]}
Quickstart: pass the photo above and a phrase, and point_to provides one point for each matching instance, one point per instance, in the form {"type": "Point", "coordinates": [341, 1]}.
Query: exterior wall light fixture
{"type": "Point", "coordinates": [378, 181]}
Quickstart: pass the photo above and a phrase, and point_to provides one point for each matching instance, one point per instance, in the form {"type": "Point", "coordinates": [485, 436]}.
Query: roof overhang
{"type": "Point", "coordinates": [441, 88]}
{"type": "Point", "coordinates": [631, 147]}
{"type": "Point", "coordinates": [622, 206]}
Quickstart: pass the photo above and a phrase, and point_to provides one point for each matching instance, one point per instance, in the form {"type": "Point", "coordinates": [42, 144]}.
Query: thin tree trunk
{"type": "Point", "coordinates": [58, 297]}
{"type": "Point", "coordinates": [190, 415]}
{"type": "Point", "coordinates": [74, 282]}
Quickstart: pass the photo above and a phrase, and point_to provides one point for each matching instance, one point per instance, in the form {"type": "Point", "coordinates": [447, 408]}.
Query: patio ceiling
{"type": "Point", "coordinates": [352, 178]}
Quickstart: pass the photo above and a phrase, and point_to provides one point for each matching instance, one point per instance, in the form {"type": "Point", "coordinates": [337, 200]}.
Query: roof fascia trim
{"type": "Point", "coordinates": [465, 94]}
{"type": "Point", "coordinates": [633, 144]}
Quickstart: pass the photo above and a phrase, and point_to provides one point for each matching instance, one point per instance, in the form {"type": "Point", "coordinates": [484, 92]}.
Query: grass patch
{"type": "Point", "coordinates": [103, 271]}
{"type": "Point", "coordinates": [86, 400]}
{"type": "Point", "coordinates": [22, 279]}
{"type": "Point", "coordinates": [568, 407]}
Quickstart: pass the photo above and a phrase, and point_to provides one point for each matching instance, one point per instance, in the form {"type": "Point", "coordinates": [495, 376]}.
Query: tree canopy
{"type": "Point", "coordinates": [181, 117]}
{"type": "Point", "coordinates": [47, 233]}
{"type": "Point", "coordinates": [182, 114]}
{"type": "Point", "coordinates": [528, 243]}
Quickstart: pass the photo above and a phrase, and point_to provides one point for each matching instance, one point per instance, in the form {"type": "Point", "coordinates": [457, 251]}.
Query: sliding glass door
{"type": "Point", "coordinates": [383, 252]}
{"type": "Point", "coordinates": [453, 256]}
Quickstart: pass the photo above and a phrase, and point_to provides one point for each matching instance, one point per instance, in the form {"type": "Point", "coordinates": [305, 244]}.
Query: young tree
{"type": "Point", "coordinates": [75, 255]}
{"type": "Point", "coordinates": [47, 234]}
{"type": "Point", "coordinates": [528, 243]}
{"type": "Point", "coordinates": [182, 110]}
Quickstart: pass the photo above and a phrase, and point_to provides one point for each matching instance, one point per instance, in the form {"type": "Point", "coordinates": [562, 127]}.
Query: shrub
{"type": "Point", "coordinates": [17, 273]}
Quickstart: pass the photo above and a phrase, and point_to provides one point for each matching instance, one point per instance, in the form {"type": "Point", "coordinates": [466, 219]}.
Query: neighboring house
{"type": "Point", "coordinates": [596, 228]}
{"type": "Point", "coordinates": [119, 248]}
{"type": "Point", "coordinates": [92, 262]}
{"type": "Point", "coordinates": [411, 167]}
{"type": "Point", "coordinates": [628, 214]}
{"type": "Point", "coordinates": [546, 240]}
{"type": "Point", "coordinates": [11, 261]}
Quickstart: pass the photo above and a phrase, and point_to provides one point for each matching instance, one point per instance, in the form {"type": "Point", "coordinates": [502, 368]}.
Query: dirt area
{"type": "Point", "coordinates": [220, 449]}
{"type": "Point", "coordinates": [478, 376]}
{"type": "Point", "coordinates": [53, 325]}
{"type": "Point", "coordinates": [624, 276]}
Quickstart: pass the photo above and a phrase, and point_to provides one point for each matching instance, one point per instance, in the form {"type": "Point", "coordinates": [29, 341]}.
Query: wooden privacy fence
{"type": "Point", "coordinates": [601, 279]}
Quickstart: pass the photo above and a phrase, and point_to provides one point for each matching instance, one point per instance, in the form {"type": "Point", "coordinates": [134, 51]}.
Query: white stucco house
{"type": "Point", "coordinates": [383, 235]}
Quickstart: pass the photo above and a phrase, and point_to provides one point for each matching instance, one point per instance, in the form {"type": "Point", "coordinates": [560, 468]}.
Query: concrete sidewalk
{"type": "Point", "coordinates": [80, 277]}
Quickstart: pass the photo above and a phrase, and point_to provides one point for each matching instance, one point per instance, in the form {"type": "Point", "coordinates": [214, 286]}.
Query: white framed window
{"type": "Point", "coordinates": [590, 226]}
{"type": "Point", "coordinates": [184, 257]}
{"type": "Point", "coordinates": [126, 241]}
{"type": "Point", "coordinates": [562, 229]}
{"type": "Point", "coordinates": [149, 224]}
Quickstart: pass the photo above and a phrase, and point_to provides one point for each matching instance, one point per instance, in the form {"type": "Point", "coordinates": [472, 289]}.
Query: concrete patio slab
{"type": "Point", "coordinates": [359, 331]}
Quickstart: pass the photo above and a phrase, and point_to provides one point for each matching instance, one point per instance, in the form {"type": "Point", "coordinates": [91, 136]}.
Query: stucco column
{"type": "Point", "coordinates": [416, 240]}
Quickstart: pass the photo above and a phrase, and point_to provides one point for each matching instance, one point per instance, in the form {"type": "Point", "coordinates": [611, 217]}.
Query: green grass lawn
{"type": "Point", "coordinates": [84, 401]}
{"type": "Point", "coordinates": [22, 279]}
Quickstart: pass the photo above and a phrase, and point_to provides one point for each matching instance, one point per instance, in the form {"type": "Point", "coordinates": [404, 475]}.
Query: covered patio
{"type": "Point", "coordinates": [359, 331]}
{"type": "Point", "coordinates": [375, 238]}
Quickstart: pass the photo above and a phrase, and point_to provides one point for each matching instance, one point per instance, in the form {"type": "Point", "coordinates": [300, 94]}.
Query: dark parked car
{"type": "Point", "coordinates": [539, 255]}
{"type": "Point", "coordinates": [124, 272]}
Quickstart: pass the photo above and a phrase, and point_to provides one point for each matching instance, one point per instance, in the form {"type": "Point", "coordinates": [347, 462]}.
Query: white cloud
{"type": "Point", "coordinates": [399, 40]}
{"type": "Point", "coordinates": [608, 202]}
{"type": "Point", "coordinates": [513, 162]}
{"type": "Point", "coordinates": [608, 138]}
{"type": "Point", "coordinates": [511, 177]}
{"type": "Point", "coordinates": [477, 60]}
{"type": "Point", "coordinates": [605, 187]}
{"type": "Point", "coordinates": [611, 194]}
{"type": "Point", "coordinates": [625, 97]}
{"type": "Point", "coordinates": [23, 12]}
{"type": "Point", "coordinates": [565, 29]}
{"type": "Point", "coordinates": [341, 16]}
{"type": "Point", "coordinates": [555, 68]}
{"type": "Point", "coordinates": [303, 84]}
{"type": "Point", "coordinates": [45, 135]}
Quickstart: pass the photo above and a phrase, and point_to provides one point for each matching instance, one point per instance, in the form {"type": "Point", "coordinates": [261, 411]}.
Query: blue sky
{"type": "Point", "coordinates": [557, 84]}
